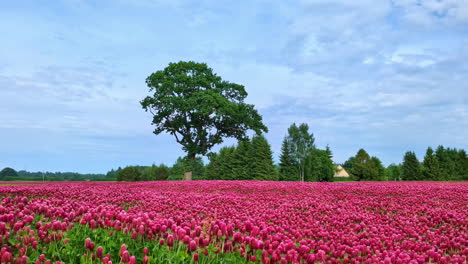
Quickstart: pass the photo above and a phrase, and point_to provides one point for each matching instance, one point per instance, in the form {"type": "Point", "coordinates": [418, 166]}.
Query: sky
{"type": "Point", "coordinates": [386, 76]}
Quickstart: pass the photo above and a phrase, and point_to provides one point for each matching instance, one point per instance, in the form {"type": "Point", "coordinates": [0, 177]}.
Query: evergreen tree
{"type": "Point", "coordinates": [463, 165]}
{"type": "Point", "coordinates": [452, 163]}
{"type": "Point", "coordinates": [213, 170]}
{"type": "Point", "coordinates": [411, 170]}
{"type": "Point", "coordinates": [287, 169]}
{"type": "Point", "coordinates": [363, 167]}
{"type": "Point", "coordinates": [329, 152]}
{"type": "Point", "coordinates": [430, 167]}
{"type": "Point", "coordinates": [445, 164]}
{"type": "Point", "coordinates": [226, 165]}
{"type": "Point", "coordinates": [242, 161]}
{"type": "Point", "coordinates": [112, 174]}
{"type": "Point", "coordinates": [262, 157]}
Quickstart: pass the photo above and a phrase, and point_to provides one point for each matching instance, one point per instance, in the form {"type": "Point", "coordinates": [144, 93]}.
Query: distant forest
{"type": "Point", "coordinates": [252, 160]}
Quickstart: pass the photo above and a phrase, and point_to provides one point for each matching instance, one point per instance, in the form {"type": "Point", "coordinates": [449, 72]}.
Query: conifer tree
{"type": "Point", "coordinates": [287, 170]}
{"type": "Point", "coordinates": [242, 161]}
{"type": "Point", "coordinates": [430, 169]}
{"type": "Point", "coordinates": [213, 170]}
{"type": "Point", "coordinates": [463, 165]}
{"type": "Point", "coordinates": [226, 157]}
{"type": "Point", "coordinates": [411, 170]}
{"type": "Point", "coordinates": [262, 156]}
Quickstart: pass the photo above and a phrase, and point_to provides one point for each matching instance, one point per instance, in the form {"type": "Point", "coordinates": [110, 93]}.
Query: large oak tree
{"type": "Point", "coordinates": [198, 107]}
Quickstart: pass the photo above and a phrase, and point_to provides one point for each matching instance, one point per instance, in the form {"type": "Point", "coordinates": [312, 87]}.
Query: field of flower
{"type": "Point", "coordinates": [234, 222]}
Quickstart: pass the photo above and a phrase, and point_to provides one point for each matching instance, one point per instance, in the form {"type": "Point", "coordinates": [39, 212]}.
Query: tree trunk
{"type": "Point", "coordinates": [188, 174]}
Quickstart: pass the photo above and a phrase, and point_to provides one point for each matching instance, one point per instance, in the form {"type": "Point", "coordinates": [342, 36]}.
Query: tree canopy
{"type": "Point", "coordinates": [363, 167]}
{"type": "Point", "coordinates": [8, 172]}
{"type": "Point", "coordinates": [296, 148]}
{"type": "Point", "coordinates": [189, 101]}
{"type": "Point", "coordinates": [411, 170]}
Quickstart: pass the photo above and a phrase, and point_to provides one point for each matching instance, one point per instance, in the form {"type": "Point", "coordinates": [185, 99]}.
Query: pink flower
{"type": "Point", "coordinates": [192, 245]}
{"type": "Point", "coordinates": [170, 240]}
{"type": "Point", "coordinates": [125, 257]}
{"type": "Point", "coordinates": [99, 252]}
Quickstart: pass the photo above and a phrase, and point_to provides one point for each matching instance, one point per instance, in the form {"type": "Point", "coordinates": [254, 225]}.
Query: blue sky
{"type": "Point", "coordinates": [386, 76]}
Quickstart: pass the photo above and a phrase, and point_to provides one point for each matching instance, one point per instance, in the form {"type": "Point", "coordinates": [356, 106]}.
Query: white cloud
{"type": "Point", "coordinates": [429, 12]}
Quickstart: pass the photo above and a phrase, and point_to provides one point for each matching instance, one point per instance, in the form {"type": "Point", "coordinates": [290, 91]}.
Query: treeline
{"type": "Point", "coordinates": [9, 174]}
{"type": "Point", "coordinates": [300, 160]}
{"type": "Point", "coordinates": [363, 167]}
{"type": "Point", "coordinates": [444, 164]}
{"type": "Point", "coordinates": [248, 160]}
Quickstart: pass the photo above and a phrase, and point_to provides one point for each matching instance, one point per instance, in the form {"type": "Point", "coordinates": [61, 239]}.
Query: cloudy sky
{"type": "Point", "coordinates": [386, 76]}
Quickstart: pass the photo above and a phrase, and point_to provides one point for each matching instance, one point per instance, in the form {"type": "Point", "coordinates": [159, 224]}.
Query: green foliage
{"type": "Point", "coordinates": [73, 251]}
{"type": "Point", "coordinates": [162, 173]}
{"type": "Point", "coordinates": [430, 169]}
{"type": "Point", "coordinates": [226, 163]}
{"type": "Point", "coordinates": [348, 165]}
{"type": "Point", "coordinates": [250, 160]}
{"type": "Point", "coordinates": [342, 179]}
{"type": "Point", "coordinates": [242, 163]}
{"type": "Point", "coordinates": [176, 173]}
{"type": "Point", "coordinates": [213, 169]}
{"type": "Point", "coordinates": [130, 174]}
{"type": "Point", "coordinates": [261, 159]}
{"type": "Point", "coordinates": [57, 176]}
{"type": "Point", "coordinates": [319, 166]}
{"type": "Point", "coordinates": [182, 165]}
{"type": "Point", "coordinates": [112, 174]}
{"type": "Point", "coordinates": [300, 160]}
{"type": "Point", "coordinates": [287, 166]}
{"type": "Point", "coordinates": [299, 143]}
{"type": "Point", "coordinates": [195, 105]}
{"type": "Point", "coordinates": [411, 170]}
{"type": "Point", "coordinates": [155, 173]}
{"type": "Point", "coordinates": [364, 167]}
{"type": "Point", "coordinates": [452, 164]}
{"type": "Point", "coordinates": [8, 172]}
{"type": "Point", "coordinates": [70, 248]}
{"type": "Point", "coordinates": [381, 174]}
{"type": "Point", "coordinates": [393, 172]}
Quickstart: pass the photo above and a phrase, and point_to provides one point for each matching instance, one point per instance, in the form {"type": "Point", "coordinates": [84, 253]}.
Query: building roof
{"type": "Point", "coordinates": [341, 172]}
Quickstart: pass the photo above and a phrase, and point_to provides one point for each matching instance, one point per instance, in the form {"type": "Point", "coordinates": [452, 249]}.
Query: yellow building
{"type": "Point", "coordinates": [341, 172]}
